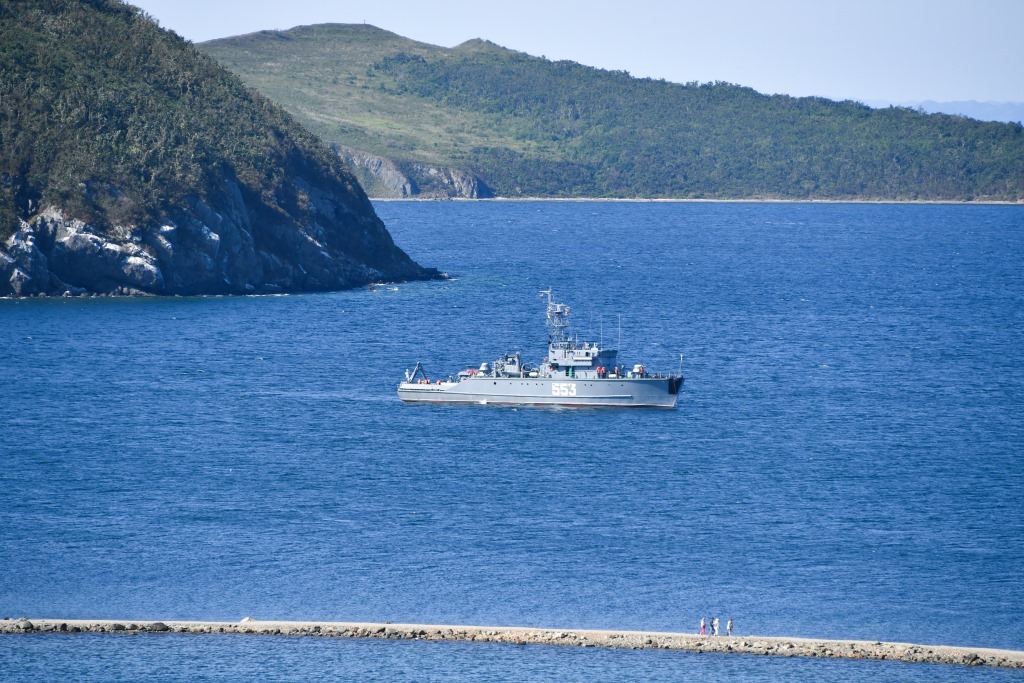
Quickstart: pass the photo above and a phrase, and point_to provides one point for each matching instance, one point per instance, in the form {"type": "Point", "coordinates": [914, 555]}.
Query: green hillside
{"type": "Point", "coordinates": [327, 76]}
{"type": "Point", "coordinates": [529, 126]}
{"type": "Point", "coordinates": [105, 114]}
{"type": "Point", "coordinates": [167, 158]}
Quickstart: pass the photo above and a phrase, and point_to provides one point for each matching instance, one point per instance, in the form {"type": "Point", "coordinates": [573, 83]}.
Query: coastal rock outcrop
{"type": "Point", "coordinates": [380, 177]}
{"type": "Point", "coordinates": [451, 182]}
{"type": "Point", "coordinates": [386, 179]}
{"type": "Point", "coordinates": [202, 252]}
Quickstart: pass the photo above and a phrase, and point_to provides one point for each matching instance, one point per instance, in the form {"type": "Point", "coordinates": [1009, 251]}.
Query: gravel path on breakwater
{"type": "Point", "coordinates": [751, 645]}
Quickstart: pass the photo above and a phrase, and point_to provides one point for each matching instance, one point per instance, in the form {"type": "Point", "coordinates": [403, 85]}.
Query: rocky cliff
{"type": "Point", "coordinates": [201, 252]}
{"type": "Point", "coordinates": [385, 178]}
{"type": "Point", "coordinates": [132, 163]}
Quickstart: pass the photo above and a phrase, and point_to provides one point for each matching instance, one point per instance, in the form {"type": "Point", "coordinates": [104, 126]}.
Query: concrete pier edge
{"type": "Point", "coordinates": [746, 644]}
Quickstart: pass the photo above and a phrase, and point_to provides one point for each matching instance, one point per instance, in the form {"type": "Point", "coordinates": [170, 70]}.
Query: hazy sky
{"type": "Point", "coordinates": [892, 50]}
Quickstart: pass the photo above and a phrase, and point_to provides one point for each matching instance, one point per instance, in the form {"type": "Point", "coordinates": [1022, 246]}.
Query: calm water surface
{"type": "Point", "coordinates": [845, 460]}
{"type": "Point", "coordinates": [219, 658]}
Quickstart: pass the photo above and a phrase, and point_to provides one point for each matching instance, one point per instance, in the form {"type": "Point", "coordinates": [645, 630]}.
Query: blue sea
{"type": "Point", "coordinates": [845, 460]}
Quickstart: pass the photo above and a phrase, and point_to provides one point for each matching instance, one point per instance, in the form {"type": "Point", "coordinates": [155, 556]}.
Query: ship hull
{"type": "Point", "coordinates": [640, 392]}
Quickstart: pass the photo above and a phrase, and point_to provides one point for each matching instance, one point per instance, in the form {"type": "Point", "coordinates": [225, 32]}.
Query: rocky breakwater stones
{"type": "Point", "coordinates": [23, 625]}
{"type": "Point", "coordinates": [784, 647]}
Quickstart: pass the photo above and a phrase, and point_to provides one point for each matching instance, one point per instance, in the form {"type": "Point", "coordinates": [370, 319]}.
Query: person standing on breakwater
{"type": "Point", "coordinates": [714, 626]}
{"type": "Point", "coordinates": [703, 627]}
{"type": "Point", "coordinates": [728, 627]}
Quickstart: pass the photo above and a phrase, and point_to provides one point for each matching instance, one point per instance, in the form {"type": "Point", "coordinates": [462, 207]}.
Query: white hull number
{"type": "Point", "coordinates": [563, 388]}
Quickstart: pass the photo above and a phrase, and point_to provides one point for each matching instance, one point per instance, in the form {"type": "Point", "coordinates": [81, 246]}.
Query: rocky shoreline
{"type": "Point", "coordinates": [635, 640]}
{"type": "Point", "coordinates": [204, 253]}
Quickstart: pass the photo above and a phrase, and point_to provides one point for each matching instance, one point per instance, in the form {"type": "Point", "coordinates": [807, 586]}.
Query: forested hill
{"type": "Point", "coordinates": [132, 162]}
{"type": "Point", "coordinates": [528, 126]}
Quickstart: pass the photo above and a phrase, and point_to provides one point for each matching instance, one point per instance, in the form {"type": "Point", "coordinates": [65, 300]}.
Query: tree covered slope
{"type": "Point", "coordinates": [525, 125]}
{"type": "Point", "coordinates": [130, 160]}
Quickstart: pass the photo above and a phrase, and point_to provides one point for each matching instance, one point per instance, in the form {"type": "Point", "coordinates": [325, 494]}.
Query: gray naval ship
{"type": "Point", "coordinates": [574, 373]}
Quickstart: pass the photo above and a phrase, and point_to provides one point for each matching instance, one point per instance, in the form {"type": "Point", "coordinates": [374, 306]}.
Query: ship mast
{"type": "Point", "coordinates": [557, 319]}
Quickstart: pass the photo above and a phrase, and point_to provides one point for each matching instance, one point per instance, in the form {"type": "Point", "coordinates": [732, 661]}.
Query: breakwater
{"type": "Point", "coordinates": [751, 645]}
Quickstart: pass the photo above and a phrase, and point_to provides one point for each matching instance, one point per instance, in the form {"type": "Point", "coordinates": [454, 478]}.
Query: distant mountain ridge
{"type": "Point", "coordinates": [526, 126]}
{"type": "Point", "coordinates": [130, 162]}
{"type": "Point", "coordinates": [1007, 112]}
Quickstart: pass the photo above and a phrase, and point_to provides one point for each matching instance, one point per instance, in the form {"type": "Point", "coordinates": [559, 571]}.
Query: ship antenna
{"type": "Point", "coordinates": [557, 317]}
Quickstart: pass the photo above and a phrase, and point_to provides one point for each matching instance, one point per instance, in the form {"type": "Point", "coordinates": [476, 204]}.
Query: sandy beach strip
{"type": "Point", "coordinates": [636, 640]}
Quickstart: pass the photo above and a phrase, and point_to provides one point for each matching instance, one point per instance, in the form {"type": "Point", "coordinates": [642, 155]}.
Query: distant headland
{"type": "Point", "coordinates": [479, 120]}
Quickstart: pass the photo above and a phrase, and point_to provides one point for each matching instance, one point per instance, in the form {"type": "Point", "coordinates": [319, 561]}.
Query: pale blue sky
{"type": "Point", "coordinates": [891, 50]}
